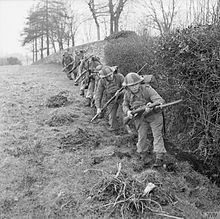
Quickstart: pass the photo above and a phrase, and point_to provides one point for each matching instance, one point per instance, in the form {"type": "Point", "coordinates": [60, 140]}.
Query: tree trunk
{"type": "Point", "coordinates": [52, 42]}
{"type": "Point", "coordinates": [116, 21]}
{"type": "Point", "coordinates": [60, 43]}
{"type": "Point", "coordinates": [98, 31]}
{"type": "Point", "coordinates": [35, 49]}
{"type": "Point", "coordinates": [33, 52]}
{"type": "Point", "coordinates": [47, 29]}
{"type": "Point", "coordinates": [54, 46]}
{"type": "Point", "coordinates": [68, 42]}
{"type": "Point", "coordinates": [94, 15]}
{"type": "Point", "coordinates": [73, 40]}
{"type": "Point", "coordinates": [42, 47]}
{"type": "Point", "coordinates": [111, 11]}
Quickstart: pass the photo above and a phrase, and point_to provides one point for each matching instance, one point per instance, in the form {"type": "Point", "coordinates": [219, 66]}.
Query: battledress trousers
{"type": "Point", "coordinates": [109, 88]}
{"type": "Point", "coordinates": [143, 123]}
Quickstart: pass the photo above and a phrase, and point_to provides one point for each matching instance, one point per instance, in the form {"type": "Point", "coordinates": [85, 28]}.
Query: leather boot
{"type": "Point", "coordinates": [92, 103]}
{"type": "Point", "coordinates": [159, 161]}
{"type": "Point", "coordinates": [88, 102]}
{"type": "Point", "coordinates": [146, 158]}
{"type": "Point", "coordinates": [81, 93]}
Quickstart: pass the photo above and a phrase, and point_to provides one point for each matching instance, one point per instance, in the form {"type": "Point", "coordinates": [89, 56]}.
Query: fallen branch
{"type": "Point", "coordinates": [119, 170]}
{"type": "Point", "coordinates": [168, 215]}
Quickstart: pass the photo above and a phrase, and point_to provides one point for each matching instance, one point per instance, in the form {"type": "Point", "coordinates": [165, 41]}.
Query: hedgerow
{"type": "Point", "coordinates": [189, 65]}
{"type": "Point", "coordinates": [129, 52]}
{"type": "Point", "coordinates": [186, 64]}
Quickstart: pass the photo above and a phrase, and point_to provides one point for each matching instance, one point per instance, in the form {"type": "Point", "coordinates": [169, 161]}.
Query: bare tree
{"type": "Point", "coordinates": [97, 11]}
{"type": "Point", "coordinates": [203, 11]}
{"type": "Point", "coordinates": [49, 23]}
{"type": "Point", "coordinates": [115, 10]}
{"type": "Point", "coordinates": [112, 9]}
{"type": "Point", "coordinates": [160, 15]}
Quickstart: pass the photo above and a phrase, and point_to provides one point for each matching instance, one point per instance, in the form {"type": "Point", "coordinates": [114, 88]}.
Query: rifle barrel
{"type": "Point", "coordinates": [128, 119]}
{"type": "Point", "coordinates": [169, 104]}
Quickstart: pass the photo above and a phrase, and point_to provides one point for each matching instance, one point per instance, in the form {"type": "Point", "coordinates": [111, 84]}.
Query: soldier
{"type": "Point", "coordinates": [83, 83]}
{"type": "Point", "coordinates": [137, 95]}
{"type": "Point", "coordinates": [67, 62]}
{"type": "Point", "coordinates": [110, 82]}
{"type": "Point", "coordinates": [92, 80]}
{"type": "Point", "coordinates": [77, 61]}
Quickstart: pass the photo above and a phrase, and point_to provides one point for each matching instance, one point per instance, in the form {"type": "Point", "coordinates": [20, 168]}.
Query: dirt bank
{"type": "Point", "coordinates": [53, 158]}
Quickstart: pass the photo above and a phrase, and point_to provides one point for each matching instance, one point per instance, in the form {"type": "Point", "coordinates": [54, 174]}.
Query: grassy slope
{"type": "Point", "coordinates": [48, 171]}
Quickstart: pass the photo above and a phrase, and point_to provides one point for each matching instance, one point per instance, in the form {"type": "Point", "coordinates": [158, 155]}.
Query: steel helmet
{"type": "Point", "coordinates": [131, 79]}
{"type": "Point", "coordinates": [65, 53]}
{"type": "Point", "coordinates": [98, 68]}
{"type": "Point", "coordinates": [106, 71]}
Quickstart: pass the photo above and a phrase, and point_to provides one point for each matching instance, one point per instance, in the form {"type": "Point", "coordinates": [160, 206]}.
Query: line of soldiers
{"type": "Point", "coordinates": [129, 92]}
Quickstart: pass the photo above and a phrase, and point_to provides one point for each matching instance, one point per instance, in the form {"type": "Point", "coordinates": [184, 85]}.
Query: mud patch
{"type": "Point", "coordinates": [59, 118]}
{"type": "Point", "coordinates": [125, 140]}
{"type": "Point", "coordinates": [79, 139]}
{"type": "Point", "coordinates": [101, 155]}
{"type": "Point", "coordinates": [59, 100]}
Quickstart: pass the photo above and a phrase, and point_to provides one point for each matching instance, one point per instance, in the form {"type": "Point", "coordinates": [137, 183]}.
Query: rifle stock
{"type": "Point", "coordinates": [141, 110]}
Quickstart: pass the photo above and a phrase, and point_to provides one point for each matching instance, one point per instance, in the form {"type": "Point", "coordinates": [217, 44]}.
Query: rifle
{"type": "Point", "coordinates": [141, 110]}
{"type": "Point", "coordinates": [115, 95]}
{"type": "Point", "coordinates": [80, 76]}
{"type": "Point", "coordinates": [67, 66]}
{"type": "Point", "coordinates": [84, 72]}
{"type": "Point", "coordinates": [107, 103]}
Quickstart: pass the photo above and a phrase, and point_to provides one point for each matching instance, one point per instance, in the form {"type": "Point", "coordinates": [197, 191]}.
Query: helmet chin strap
{"type": "Point", "coordinates": [107, 78]}
{"type": "Point", "coordinates": [134, 92]}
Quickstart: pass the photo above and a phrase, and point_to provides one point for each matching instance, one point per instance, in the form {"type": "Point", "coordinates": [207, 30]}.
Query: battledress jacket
{"type": "Point", "coordinates": [110, 87]}
{"type": "Point", "coordinates": [67, 60]}
{"type": "Point", "coordinates": [145, 95]}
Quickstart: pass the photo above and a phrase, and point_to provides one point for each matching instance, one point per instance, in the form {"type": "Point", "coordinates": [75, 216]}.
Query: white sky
{"type": "Point", "coordinates": [12, 19]}
{"type": "Point", "coordinates": [14, 12]}
{"type": "Point", "coordinates": [13, 15]}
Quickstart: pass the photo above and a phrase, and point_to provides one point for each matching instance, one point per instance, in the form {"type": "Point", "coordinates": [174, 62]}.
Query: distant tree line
{"type": "Point", "coordinates": [52, 25]}
{"type": "Point", "coordinates": [48, 24]}
{"type": "Point", "coordinates": [10, 61]}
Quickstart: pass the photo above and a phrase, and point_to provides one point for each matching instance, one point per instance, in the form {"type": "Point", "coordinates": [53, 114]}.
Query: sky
{"type": "Point", "coordinates": [12, 19]}
{"type": "Point", "coordinates": [13, 14]}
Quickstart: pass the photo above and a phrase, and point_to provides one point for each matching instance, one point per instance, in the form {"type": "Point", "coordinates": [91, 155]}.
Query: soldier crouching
{"type": "Point", "coordinates": [110, 82]}
{"type": "Point", "coordinates": [139, 95]}
{"type": "Point", "coordinates": [67, 63]}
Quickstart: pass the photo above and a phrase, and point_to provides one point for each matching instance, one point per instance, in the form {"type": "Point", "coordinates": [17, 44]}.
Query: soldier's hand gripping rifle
{"type": "Point", "coordinates": [84, 72]}
{"type": "Point", "coordinates": [80, 63]}
{"type": "Point", "coordinates": [67, 66]}
{"type": "Point", "coordinates": [117, 93]}
{"type": "Point", "coordinates": [142, 109]}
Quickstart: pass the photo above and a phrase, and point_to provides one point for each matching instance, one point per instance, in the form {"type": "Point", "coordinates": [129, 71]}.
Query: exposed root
{"type": "Point", "coordinates": [123, 195]}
